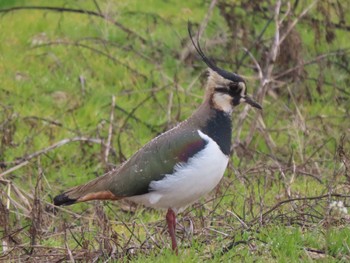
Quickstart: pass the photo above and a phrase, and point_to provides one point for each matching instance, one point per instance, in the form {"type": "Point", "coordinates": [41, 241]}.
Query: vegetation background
{"type": "Point", "coordinates": [84, 84]}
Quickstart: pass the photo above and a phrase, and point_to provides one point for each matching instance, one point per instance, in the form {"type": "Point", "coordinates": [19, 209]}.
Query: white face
{"type": "Point", "coordinates": [227, 94]}
{"type": "Point", "coordinates": [223, 102]}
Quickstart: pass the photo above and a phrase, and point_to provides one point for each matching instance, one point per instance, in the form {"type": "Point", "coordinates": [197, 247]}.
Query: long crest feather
{"type": "Point", "coordinates": [225, 74]}
{"type": "Point", "coordinates": [199, 50]}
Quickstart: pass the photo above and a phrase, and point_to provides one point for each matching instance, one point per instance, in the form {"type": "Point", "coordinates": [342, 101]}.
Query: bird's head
{"type": "Point", "coordinates": [225, 89]}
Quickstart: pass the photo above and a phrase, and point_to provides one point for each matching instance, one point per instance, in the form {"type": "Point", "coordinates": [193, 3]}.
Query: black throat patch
{"type": "Point", "coordinates": [219, 128]}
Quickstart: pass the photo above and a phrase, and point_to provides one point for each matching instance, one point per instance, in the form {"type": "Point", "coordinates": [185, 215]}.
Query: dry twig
{"type": "Point", "coordinates": [110, 131]}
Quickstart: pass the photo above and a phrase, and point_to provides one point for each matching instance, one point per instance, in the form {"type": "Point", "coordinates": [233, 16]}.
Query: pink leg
{"type": "Point", "coordinates": [171, 221]}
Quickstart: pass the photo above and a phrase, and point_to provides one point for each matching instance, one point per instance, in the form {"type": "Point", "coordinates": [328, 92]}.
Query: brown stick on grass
{"type": "Point", "coordinates": [23, 161]}
{"type": "Point", "coordinates": [110, 131]}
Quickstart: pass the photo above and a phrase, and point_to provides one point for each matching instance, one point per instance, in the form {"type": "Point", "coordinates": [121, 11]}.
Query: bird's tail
{"type": "Point", "coordinates": [97, 189]}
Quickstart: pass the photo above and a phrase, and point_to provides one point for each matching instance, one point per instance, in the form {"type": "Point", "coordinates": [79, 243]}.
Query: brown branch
{"type": "Point", "coordinates": [258, 39]}
{"type": "Point", "coordinates": [121, 155]}
{"type": "Point", "coordinates": [25, 160]}
{"type": "Point", "coordinates": [132, 116]}
{"type": "Point", "coordinates": [268, 69]}
{"type": "Point", "coordinates": [110, 130]}
{"type": "Point", "coordinates": [314, 60]}
{"type": "Point", "coordinates": [265, 77]}
{"type": "Point", "coordinates": [79, 11]}
{"type": "Point", "coordinates": [293, 200]}
{"type": "Point", "coordinates": [262, 11]}
{"type": "Point", "coordinates": [190, 48]}
{"type": "Point", "coordinates": [294, 23]}
{"type": "Point", "coordinates": [115, 60]}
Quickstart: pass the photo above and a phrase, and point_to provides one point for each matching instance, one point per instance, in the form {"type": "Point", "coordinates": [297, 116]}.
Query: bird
{"type": "Point", "coordinates": [179, 166]}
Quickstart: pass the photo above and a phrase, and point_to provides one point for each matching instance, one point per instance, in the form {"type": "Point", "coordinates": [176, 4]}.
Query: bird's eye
{"type": "Point", "coordinates": [233, 85]}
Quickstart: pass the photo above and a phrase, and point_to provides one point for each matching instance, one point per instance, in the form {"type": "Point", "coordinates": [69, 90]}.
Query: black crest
{"type": "Point", "coordinates": [225, 74]}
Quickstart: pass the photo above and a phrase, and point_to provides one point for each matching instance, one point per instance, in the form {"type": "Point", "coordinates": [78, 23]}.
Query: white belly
{"type": "Point", "coordinates": [190, 180]}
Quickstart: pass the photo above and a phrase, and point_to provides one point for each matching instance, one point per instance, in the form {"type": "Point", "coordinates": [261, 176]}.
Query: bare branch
{"type": "Point", "coordinates": [293, 200]}
{"type": "Point", "coordinates": [110, 130]}
{"type": "Point", "coordinates": [293, 24]}
{"type": "Point", "coordinates": [115, 60]}
{"type": "Point", "coordinates": [203, 25]}
{"type": "Point", "coordinates": [79, 11]}
{"type": "Point", "coordinates": [25, 160]}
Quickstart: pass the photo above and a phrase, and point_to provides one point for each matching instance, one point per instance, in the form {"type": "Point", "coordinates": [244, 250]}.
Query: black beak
{"type": "Point", "coordinates": [251, 102]}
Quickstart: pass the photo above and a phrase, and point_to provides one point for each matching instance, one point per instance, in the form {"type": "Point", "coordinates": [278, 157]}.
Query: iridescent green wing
{"type": "Point", "coordinates": [155, 160]}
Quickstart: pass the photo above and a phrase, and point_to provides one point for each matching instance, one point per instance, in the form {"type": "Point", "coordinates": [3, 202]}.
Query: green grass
{"type": "Point", "coordinates": [44, 56]}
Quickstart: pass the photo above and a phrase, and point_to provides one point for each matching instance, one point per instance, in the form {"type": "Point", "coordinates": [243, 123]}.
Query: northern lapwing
{"type": "Point", "coordinates": [179, 166]}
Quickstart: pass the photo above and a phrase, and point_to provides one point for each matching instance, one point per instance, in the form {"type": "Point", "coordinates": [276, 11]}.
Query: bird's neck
{"type": "Point", "coordinates": [215, 123]}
